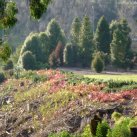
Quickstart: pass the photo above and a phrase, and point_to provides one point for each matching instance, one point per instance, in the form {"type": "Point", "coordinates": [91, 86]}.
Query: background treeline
{"type": "Point", "coordinates": [108, 45]}
{"type": "Point", "coordinates": [65, 11]}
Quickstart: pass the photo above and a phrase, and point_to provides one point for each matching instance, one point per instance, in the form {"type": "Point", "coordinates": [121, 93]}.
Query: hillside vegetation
{"type": "Point", "coordinates": [65, 11]}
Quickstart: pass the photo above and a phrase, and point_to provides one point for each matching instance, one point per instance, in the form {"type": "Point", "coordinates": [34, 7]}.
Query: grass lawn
{"type": "Point", "coordinates": [123, 77]}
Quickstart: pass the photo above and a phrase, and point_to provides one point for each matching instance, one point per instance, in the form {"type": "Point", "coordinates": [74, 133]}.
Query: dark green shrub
{"type": "Point", "coordinates": [98, 63]}
{"type": "Point", "coordinates": [32, 44]}
{"type": "Point", "coordinates": [28, 61]}
{"type": "Point", "coordinates": [8, 65]}
{"type": "Point", "coordinates": [102, 129]}
{"type": "Point", "coordinates": [2, 77]}
{"type": "Point", "coordinates": [70, 55]}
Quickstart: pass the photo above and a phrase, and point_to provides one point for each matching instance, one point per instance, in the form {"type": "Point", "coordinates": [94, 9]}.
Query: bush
{"type": "Point", "coordinates": [70, 55]}
{"type": "Point", "coordinates": [86, 132]}
{"type": "Point", "coordinates": [2, 77]}
{"type": "Point", "coordinates": [8, 65]}
{"type": "Point", "coordinates": [116, 116]}
{"type": "Point", "coordinates": [121, 129]}
{"type": "Point", "coordinates": [28, 61]}
{"type": "Point", "coordinates": [102, 129]}
{"type": "Point", "coordinates": [98, 63]}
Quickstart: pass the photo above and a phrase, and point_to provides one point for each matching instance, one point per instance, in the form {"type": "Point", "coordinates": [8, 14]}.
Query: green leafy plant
{"type": "Point", "coordinates": [102, 129]}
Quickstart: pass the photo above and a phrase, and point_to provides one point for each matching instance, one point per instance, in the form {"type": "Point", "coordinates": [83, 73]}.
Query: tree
{"type": "Point", "coordinates": [59, 53]}
{"type": "Point", "coordinates": [86, 36]}
{"type": "Point", "coordinates": [52, 60]}
{"type": "Point", "coordinates": [8, 11]}
{"type": "Point", "coordinates": [28, 61]}
{"type": "Point", "coordinates": [98, 63]}
{"type": "Point", "coordinates": [75, 31]}
{"type": "Point", "coordinates": [121, 53]}
{"type": "Point", "coordinates": [55, 34]}
{"type": "Point", "coordinates": [102, 38]}
{"type": "Point", "coordinates": [45, 46]}
{"type": "Point", "coordinates": [32, 44]}
{"type": "Point", "coordinates": [102, 129]}
{"type": "Point", "coordinates": [9, 65]}
{"type": "Point", "coordinates": [70, 55]}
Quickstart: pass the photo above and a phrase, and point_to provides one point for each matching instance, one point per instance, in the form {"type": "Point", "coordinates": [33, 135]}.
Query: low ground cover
{"type": "Point", "coordinates": [54, 99]}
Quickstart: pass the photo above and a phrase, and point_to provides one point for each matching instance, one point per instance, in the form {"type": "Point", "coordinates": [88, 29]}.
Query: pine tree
{"type": "Point", "coordinates": [75, 31]}
{"type": "Point", "coordinates": [55, 34]}
{"type": "Point", "coordinates": [86, 36]}
{"type": "Point", "coordinates": [121, 53]}
{"type": "Point", "coordinates": [102, 129]}
{"type": "Point", "coordinates": [102, 38]}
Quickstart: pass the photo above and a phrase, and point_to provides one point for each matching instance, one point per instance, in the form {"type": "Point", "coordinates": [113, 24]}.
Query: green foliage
{"type": "Point", "coordinates": [86, 36]}
{"type": "Point", "coordinates": [75, 31]}
{"type": "Point", "coordinates": [55, 34]}
{"type": "Point", "coordinates": [102, 129]}
{"type": "Point", "coordinates": [121, 53]}
{"type": "Point", "coordinates": [86, 132]}
{"type": "Point", "coordinates": [5, 51]}
{"type": "Point", "coordinates": [116, 116]}
{"type": "Point", "coordinates": [32, 44]}
{"type": "Point", "coordinates": [133, 122]}
{"type": "Point", "coordinates": [16, 54]}
{"type": "Point", "coordinates": [102, 36]}
{"type": "Point", "coordinates": [32, 75]}
{"type": "Point", "coordinates": [121, 130]}
{"type": "Point", "coordinates": [2, 77]}
{"type": "Point", "coordinates": [44, 44]}
{"type": "Point", "coordinates": [28, 61]}
{"type": "Point", "coordinates": [70, 54]}
{"type": "Point", "coordinates": [8, 65]}
{"type": "Point", "coordinates": [36, 8]}
{"type": "Point", "coordinates": [98, 63]}
{"type": "Point", "coordinates": [8, 14]}
{"type": "Point", "coordinates": [61, 134]}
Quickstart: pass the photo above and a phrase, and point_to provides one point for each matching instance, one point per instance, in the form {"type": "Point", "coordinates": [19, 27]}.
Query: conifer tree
{"type": "Point", "coordinates": [121, 53]}
{"type": "Point", "coordinates": [102, 38]}
{"type": "Point", "coordinates": [55, 34]}
{"type": "Point", "coordinates": [86, 36]}
{"type": "Point", "coordinates": [75, 31]}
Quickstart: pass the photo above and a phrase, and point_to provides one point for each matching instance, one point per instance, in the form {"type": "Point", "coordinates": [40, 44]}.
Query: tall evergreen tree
{"type": "Point", "coordinates": [86, 36]}
{"type": "Point", "coordinates": [55, 34]}
{"type": "Point", "coordinates": [75, 31]}
{"type": "Point", "coordinates": [121, 53]}
{"type": "Point", "coordinates": [102, 38]}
